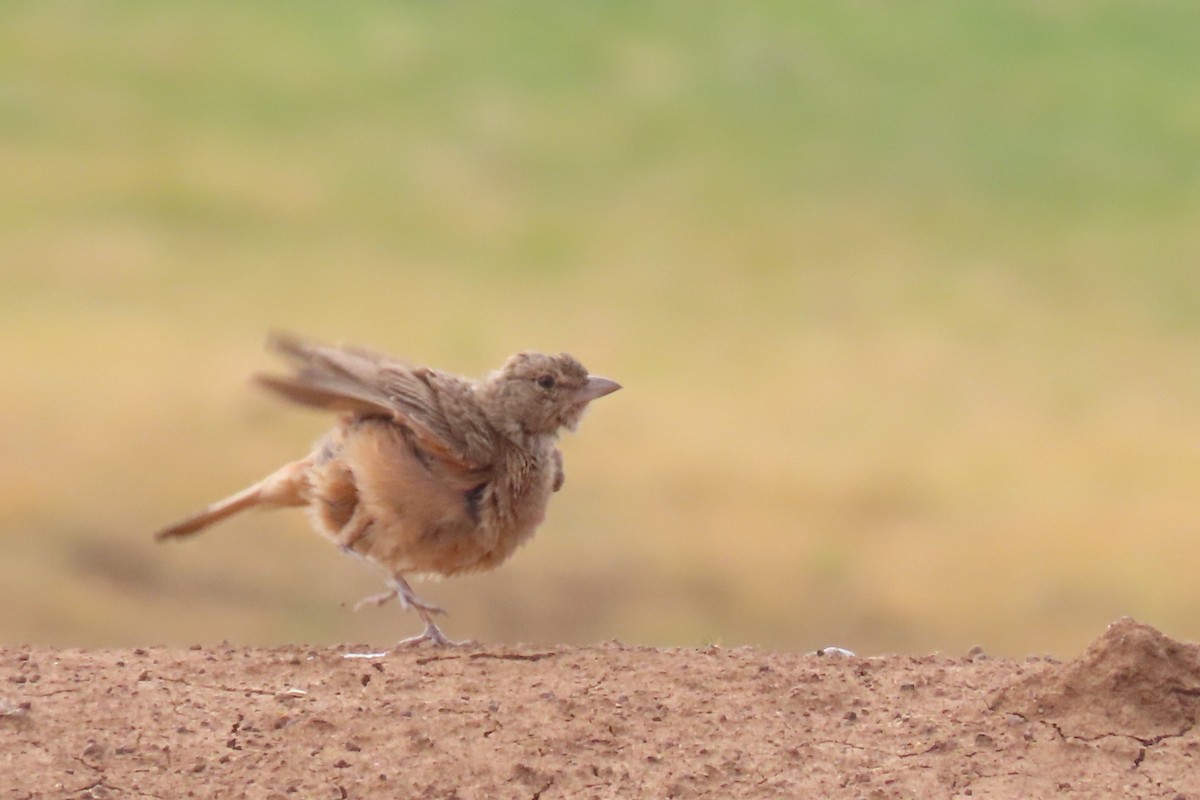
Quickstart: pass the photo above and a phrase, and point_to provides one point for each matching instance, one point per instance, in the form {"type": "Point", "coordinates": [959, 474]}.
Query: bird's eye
{"type": "Point", "coordinates": [546, 382]}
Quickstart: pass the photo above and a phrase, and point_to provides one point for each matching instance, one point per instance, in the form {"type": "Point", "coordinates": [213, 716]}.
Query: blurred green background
{"type": "Point", "coordinates": [905, 298]}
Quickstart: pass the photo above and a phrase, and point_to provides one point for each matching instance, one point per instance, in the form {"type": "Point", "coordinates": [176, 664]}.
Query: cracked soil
{"type": "Point", "coordinates": [604, 721]}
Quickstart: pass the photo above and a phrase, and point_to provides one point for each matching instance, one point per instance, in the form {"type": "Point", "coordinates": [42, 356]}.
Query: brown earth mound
{"type": "Point", "coordinates": [605, 721]}
{"type": "Point", "coordinates": [1132, 681]}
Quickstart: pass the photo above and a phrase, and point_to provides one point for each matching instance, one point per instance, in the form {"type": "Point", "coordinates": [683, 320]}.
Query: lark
{"type": "Point", "coordinates": [425, 473]}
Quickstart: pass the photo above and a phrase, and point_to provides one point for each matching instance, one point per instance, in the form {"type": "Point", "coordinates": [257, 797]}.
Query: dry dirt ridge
{"type": "Point", "coordinates": [605, 721]}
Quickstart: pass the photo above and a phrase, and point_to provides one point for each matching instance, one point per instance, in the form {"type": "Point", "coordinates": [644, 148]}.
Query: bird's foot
{"type": "Point", "coordinates": [432, 634]}
{"type": "Point", "coordinates": [376, 599]}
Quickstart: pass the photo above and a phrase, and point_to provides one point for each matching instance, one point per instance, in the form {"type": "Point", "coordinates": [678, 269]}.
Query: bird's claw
{"type": "Point", "coordinates": [376, 599]}
{"type": "Point", "coordinates": [432, 634]}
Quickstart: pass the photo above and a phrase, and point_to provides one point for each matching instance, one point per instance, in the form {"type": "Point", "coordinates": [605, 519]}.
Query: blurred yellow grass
{"type": "Point", "coordinates": [905, 305]}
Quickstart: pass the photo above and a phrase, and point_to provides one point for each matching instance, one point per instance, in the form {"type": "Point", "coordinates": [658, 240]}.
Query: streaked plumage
{"type": "Point", "coordinates": [426, 473]}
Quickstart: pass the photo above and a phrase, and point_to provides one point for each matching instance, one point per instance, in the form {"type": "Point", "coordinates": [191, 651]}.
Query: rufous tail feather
{"type": "Point", "coordinates": [281, 488]}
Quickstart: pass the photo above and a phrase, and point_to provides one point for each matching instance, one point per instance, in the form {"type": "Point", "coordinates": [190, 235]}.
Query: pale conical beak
{"type": "Point", "coordinates": [597, 387]}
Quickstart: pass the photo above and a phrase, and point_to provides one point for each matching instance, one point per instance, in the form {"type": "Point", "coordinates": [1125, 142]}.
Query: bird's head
{"type": "Point", "coordinates": [538, 394]}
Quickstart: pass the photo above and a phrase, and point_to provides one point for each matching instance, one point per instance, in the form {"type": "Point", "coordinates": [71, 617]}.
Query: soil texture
{"type": "Point", "coordinates": [599, 722]}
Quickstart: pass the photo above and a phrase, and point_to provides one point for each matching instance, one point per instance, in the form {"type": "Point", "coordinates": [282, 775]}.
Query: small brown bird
{"type": "Point", "coordinates": [426, 473]}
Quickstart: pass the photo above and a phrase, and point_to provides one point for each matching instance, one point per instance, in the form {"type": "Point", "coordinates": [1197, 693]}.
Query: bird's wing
{"type": "Point", "coordinates": [440, 409]}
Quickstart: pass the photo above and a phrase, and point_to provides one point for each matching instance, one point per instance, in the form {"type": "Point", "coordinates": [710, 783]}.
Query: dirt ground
{"type": "Point", "coordinates": [603, 721]}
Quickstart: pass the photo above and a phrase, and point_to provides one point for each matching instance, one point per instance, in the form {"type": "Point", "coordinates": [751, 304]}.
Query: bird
{"type": "Point", "coordinates": [426, 473]}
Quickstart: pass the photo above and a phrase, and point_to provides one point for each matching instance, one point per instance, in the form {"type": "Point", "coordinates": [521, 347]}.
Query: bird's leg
{"type": "Point", "coordinates": [399, 589]}
{"type": "Point", "coordinates": [408, 598]}
{"type": "Point", "coordinates": [375, 599]}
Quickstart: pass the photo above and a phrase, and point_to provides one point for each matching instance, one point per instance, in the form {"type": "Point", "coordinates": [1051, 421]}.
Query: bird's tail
{"type": "Point", "coordinates": [284, 487]}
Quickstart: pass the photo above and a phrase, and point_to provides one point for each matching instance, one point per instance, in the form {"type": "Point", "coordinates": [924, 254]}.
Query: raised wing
{"type": "Point", "coordinates": [440, 409]}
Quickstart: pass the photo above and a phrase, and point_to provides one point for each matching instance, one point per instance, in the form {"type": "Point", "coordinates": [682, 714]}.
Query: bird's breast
{"type": "Point", "coordinates": [516, 503]}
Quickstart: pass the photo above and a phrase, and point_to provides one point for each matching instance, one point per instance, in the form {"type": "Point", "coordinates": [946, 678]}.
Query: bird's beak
{"type": "Point", "coordinates": [597, 387]}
